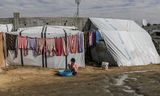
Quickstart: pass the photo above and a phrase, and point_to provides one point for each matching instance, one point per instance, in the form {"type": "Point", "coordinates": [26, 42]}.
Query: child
{"type": "Point", "coordinates": [73, 67]}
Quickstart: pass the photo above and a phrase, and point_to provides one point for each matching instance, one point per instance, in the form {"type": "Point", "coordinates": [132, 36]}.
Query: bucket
{"type": "Point", "coordinates": [105, 65]}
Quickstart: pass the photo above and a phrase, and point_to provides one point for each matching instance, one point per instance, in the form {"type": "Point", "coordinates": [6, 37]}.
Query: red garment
{"type": "Point", "coordinates": [22, 44]}
{"type": "Point", "coordinates": [58, 45]}
{"type": "Point", "coordinates": [73, 43]}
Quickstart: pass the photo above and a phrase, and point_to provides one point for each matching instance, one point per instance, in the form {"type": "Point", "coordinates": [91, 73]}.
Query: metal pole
{"type": "Point", "coordinates": [77, 9]}
{"type": "Point", "coordinates": [42, 51]}
{"type": "Point", "coordinates": [66, 56]}
{"type": "Point", "coordinates": [21, 52]}
{"type": "Point", "coordinates": [45, 48]}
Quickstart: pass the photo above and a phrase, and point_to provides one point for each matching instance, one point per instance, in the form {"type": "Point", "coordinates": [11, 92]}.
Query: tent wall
{"type": "Point", "coordinates": [52, 62]}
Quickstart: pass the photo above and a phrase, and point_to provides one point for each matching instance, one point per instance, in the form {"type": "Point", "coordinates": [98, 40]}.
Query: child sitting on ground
{"type": "Point", "coordinates": [73, 67]}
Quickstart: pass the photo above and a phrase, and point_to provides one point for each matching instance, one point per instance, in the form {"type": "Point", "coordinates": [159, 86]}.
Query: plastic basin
{"type": "Point", "coordinates": [64, 73]}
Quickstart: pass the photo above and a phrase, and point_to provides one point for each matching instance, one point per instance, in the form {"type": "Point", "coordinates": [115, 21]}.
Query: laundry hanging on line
{"type": "Point", "coordinates": [54, 46]}
{"type": "Point", "coordinates": [93, 38]}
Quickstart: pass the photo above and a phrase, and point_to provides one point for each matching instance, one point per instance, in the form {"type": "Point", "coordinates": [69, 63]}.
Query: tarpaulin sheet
{"type": "Point", "coordinates": [128, 43]}
{"type": "Point", "coordinates": [52, 62]}
{"type": "Point", "coordinates": [6, 27]}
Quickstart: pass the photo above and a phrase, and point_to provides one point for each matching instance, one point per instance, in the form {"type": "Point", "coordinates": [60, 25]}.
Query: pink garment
{"type": "Point", "coordinates": [73, 43]}
{"type": "Point", "coordinates": [22, 44]}
{"type": "Point", "coordinates": [50, 46]}
{"type": "Point", "coordinates": [90, 39]}
{"type": "Point", "coordinates": [68, 45]}
{"type": "Point", "coordinates": [65, 50]}
{"type": "Point", "coordinates": [40, 45]}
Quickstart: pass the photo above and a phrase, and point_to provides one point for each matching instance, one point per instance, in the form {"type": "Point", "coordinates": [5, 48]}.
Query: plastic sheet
{"type": "Point", "coordinates": [52, 62]}
{"type": "Point", "coordinates": [128, 43]}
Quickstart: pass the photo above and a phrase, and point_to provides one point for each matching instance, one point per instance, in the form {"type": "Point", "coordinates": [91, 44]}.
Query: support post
{"type": "Point", "coordinates": [66, 56]}
{"type": "Point", "coordinates": [45, 55]}
{"type": "Point", "coordinates": [42, 51]}
{"type": "Point", "coordinates": [21, 51]}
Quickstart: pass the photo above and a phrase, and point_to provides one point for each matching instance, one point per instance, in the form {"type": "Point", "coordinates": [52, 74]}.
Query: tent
{"type": "Point", "coordinates": [127, 42]}
{"type": "Point", "coordinates": [52, 62]}
{"type": "Point", "coordinates": [6, 27]}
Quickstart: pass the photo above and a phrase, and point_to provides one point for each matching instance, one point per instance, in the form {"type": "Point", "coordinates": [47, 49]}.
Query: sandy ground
{"type": "Point", "coordinates": [91, 81]}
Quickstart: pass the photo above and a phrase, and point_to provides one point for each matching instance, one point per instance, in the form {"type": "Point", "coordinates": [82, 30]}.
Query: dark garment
{"type": "Point", "coordinates": [74, 73]}
{"type": "Point", "coordinates": [11, 43]}
{"type": "Point", "coordinates": [94, 39]}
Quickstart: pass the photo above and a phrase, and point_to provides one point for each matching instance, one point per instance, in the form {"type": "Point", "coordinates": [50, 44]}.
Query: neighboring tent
{"type": "Point", "coordinates": [52, 62]}
{"type": "Point", "coordinates": [127, 42]}
{"type": "Point", "coordinates": [6, 27]}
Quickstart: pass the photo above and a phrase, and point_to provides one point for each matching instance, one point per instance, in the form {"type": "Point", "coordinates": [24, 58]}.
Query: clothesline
{"type": "Point", "coordinates": [54, 46]}
{"type": "Point", "coordinates": [48, 35]}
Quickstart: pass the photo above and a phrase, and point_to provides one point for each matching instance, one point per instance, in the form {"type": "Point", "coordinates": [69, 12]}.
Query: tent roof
{"type": "Point", "coordinates": [117, 24]}
{"type": "Point", "coordinates": [51, 31]}
{"type": "Point", "coordinates": [6, 27]}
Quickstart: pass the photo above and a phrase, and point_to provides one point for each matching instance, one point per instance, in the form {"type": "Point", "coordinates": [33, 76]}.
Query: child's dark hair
{"type": "Point", "coordinates": [73, 60]}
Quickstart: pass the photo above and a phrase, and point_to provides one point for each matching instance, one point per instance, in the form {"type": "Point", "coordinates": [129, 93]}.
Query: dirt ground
{"type": "Point", "coordinates": [91, 81]}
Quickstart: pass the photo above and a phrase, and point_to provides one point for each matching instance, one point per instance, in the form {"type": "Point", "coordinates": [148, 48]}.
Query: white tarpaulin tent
{"type": "Point", "coordinates": [52, 62]}
{"type": "Point", "coordinates": [6, 27]}
{"type": "Point", "coordinates": [128, 43]}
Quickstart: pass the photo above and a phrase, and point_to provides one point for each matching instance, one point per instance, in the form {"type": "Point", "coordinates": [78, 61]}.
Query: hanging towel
{"type": "Point", "coordinates": [80, 39]}
{"type": "Point", "coordinates": [58, 45]}
{"type": "Point", "coordinates": [65, 49]}
{"type": "Point", "coordinates": [22, 44]}
{"type": "Point", "coordinates": [32, 44]}
{"type": "Point", "coordinates": [93, 39]}
{"type": "Point", "coordinates": [68, 44]}
{"type": "Point", "coordinates": [90, 39]}
{"type": "Point", "coordinates": [50, 46]}
{"type": "Point", "coordinates": [73, 43]}
{"type": "Point", "coordinates": [11, 43]}
{"type": "Point", "coordinates": [98, 37]}
{"type": "Point", "coordinates": [40, 45]}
